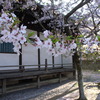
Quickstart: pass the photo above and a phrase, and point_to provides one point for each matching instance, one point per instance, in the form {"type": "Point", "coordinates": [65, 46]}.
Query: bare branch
{"type": "Point", "coordinates": [82, 3]}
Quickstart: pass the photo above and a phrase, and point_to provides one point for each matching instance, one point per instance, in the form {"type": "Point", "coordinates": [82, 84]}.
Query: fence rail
{"type": "Point", "coordinates": [33, 65]}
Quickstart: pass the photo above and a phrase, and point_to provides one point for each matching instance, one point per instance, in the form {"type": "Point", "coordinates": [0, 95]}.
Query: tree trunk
{"type": "Point", "coordinates": [79, 75]}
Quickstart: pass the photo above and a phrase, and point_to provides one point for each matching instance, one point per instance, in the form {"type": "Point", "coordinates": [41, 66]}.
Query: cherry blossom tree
{"type": "Point", "coordinates": [81, 22]}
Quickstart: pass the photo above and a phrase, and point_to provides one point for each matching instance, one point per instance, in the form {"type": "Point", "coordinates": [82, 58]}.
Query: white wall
{"type": "Point", "coordinates": [44, 55]}
{"type": "Point", "coordinates": [67, 61]}
{"type": "Point", "coordinates": [8, 59]}
{"type": "Point", "coordinates": [57, 60]}
{"type": "Point", "coordinates": [29, 56]}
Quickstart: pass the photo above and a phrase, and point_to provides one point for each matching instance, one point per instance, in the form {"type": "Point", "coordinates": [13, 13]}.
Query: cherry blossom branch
{"type": "Point", "coordinates": [32, 13]}
{"type": "Point", "coordinates": [81, 4]}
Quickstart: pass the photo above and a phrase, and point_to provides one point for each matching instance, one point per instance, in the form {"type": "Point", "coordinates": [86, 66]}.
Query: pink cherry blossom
{"type": "Point", "coordinates": [11, 33]}
{"type": "Point", "coordinates": [46, 33]}
{"type": "Point", "coordinates": [47, 43]}
{"type": "Point", "coordinates": [23, 29]}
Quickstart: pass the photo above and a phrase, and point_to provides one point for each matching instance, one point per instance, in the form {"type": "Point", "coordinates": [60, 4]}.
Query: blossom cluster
{"type": "Point", "coordinates": [56, 48]}
{"type": "Point", "coordinates": [66, 47]}
{"type": "Point", "coordinates": [91, 45]}
{"type": "Point", "coordinates": [11, 32]}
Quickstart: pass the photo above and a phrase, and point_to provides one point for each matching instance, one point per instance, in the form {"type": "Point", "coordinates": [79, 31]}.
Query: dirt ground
{"type": "Point", "coordinates": [69, 90]}
{"type": "Point", "coordinates": [91, 87]}
{"type": "Point", "coordinates": [91, 91]}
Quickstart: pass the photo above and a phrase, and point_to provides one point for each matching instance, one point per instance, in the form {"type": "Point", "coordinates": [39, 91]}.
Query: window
{"type": "Point", "coordinates": [6, 48]}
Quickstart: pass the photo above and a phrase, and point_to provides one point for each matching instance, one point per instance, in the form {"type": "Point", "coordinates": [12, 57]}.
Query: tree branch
{"type": "Point", "coordinates": [82, 3]}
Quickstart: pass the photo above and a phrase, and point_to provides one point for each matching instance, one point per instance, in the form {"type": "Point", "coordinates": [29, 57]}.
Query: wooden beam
{"type": "Point", "coordinates": [34, 73]}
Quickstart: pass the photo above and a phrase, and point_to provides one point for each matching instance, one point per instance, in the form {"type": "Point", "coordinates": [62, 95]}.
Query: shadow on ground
{"type": "Point", "coordinates": [98, 97]}
{"type": "Point", "coordinates": [27, 94]}
{"type": "Point", "coordinates": [70, 90]}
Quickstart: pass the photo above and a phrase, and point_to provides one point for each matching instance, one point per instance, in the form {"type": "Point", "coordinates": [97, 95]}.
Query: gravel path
{"type": "Point", "coordinates": [66, 90]}
{"type": "Point", "coordinates": [43, 93]}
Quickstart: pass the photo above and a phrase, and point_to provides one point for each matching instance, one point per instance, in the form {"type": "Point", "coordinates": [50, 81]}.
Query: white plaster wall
{"type": "Point", "coordinates": [57, 60]}
{"type": "Point", "coordinates": [44, 55]}
{"type": "Point", "coordinates": [67, 61]}
{"type": "Point", "coordinates": [8, 59]}
{"type": "Point", "coordinates": [29, 56]}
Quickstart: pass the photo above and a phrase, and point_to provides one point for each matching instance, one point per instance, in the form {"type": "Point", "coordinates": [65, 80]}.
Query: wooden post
{"type": "Point", "coordinates": [39, 59]}
{"type": "Point", "coordinates": [22, 68]}
{"type": "Point", "coordinates": [53, 61]}
{"type": "Point", "coordinates": [38, 81]}
{"type": "Point", "coordinates": [59, 77]}
{"type": "Point", "coordinates": [20, 58]}
{"type": "Point", "coordinates": [4, 86]}
{"type": "Point", "coordinates": [46, 66]}
{"type": "Point", "coordinates": [38, 54]}
{"type": "Point", "coordinates": [61, 61]}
